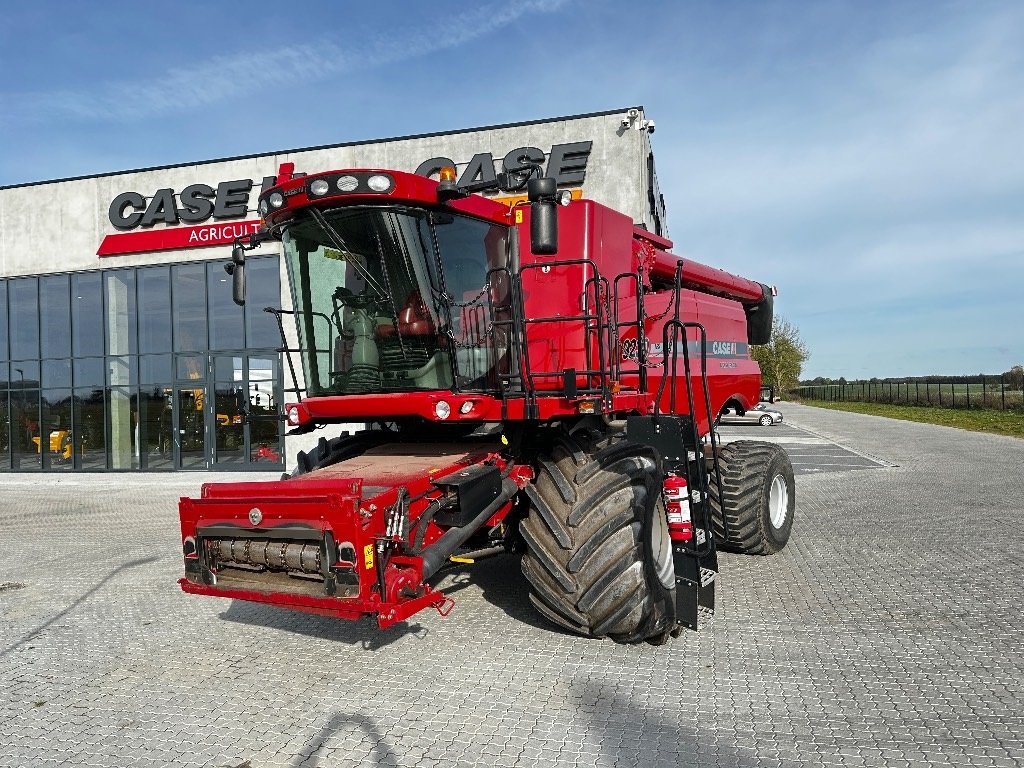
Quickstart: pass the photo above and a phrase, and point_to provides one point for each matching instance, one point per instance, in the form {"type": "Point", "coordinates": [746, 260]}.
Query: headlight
{"type": "Point", "coordinates": [293, 415]}
{"type": "Point", "coordinates": [379, 183]}
{"type": "Point", "coordinates": [442, 410]}
{"type": "Point", "coordinates": [276, 199]}
{"type": "Point", "coordinates": [466, 407]}
{"type": "Point", "coordinates": [347, 183]}
{"type": "Point", "coordinates": [319, 187]}
{"type": "Point", "coordinates": [264, 207]}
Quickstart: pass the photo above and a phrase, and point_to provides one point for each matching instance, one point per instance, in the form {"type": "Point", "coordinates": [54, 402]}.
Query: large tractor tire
{"type": "Point", "coordinates": [756, 500]}
{"type": "Point", "coordinates": [598, 556]}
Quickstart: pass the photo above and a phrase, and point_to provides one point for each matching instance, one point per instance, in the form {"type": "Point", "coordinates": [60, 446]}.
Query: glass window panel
{"type": "Point", "coordinates": [89, 437]}
{"type": "Point", "coordinates": [119, 289]}
{"type": "Point", "coordinates": [155, 425]}
{"type": "Point", "coordinates": [25, 454]}
{"type": "Point", "coordinates": [226, 317]}
{"type": "Point", "coordinates": [264, 429]}
{"type": "Point", "coordinates": [191, 427]}
{"type": "Point", "coordinates": [263, 289]}
{"type": "Point", "coordinates": [121, 371]}
{"type": "Point", "coordinates": [86, 314]}
{"type": "Point", "coordinates": [55, 316]}
{"type": "Point", "coordinates": [5, 431]}
{"type": "Point", "coordinates": [154, 288]}
{"type": "Point", "coordinates": [228, 368]}
{"type": "Point", "coordinates": [154, 369]}
{"type": "Point", "coordinates": [191, 368]}
{"type": "Point", "coordinates": [89, 372]}
{"type": "Point", "coordinates": [3, 323]}
{"type": "Point", "coordinates": [56, 374]}
{"type": "Point", "coordinates": [24, 318]}
{"type": "Point", "coordinates": [229, 432]}
{"type": "Point", "coordinates": [189, 297]}
{"type": "Point", "coordinates": [25, 374]}
{"type": "Point", "coordinates": [122, 421]}
{"type": "Point", "coordinates": [5, 376]}
{"type": "Point", "coordinates": [57, 451]}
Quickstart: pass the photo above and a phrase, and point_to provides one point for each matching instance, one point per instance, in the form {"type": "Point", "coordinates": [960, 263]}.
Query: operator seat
{"type": "Point", "coordinates": [414, 320]}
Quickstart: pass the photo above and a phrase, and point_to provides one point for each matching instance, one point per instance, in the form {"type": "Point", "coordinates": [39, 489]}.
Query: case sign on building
{"type": "Point", "coordinates": [201, 215]}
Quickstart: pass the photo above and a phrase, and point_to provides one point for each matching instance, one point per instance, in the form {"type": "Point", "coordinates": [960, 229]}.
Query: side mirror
{"type": "Point", "coordinates": [238, 274]}
{"type": "Point", "coordinates": [543, 216]}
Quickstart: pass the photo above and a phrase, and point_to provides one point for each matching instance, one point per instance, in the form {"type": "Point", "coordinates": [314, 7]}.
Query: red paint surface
{"type": "Point", "coordinates": [174, 238]}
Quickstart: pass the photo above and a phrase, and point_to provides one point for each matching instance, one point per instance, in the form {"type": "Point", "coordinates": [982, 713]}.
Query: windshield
{"type": "Point", "coordinates": [393, 299]}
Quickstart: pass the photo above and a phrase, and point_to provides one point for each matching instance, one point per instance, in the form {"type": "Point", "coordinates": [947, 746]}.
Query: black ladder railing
{"type": "Point", "coordinates": [598, 331]}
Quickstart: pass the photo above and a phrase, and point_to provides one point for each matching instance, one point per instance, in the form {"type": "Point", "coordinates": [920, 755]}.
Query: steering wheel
{"type": "Point", "coordinates": [346, 298]}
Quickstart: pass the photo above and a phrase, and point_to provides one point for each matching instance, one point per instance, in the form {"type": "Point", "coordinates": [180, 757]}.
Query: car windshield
{"type": "Point", "coordinates": [392, 298]}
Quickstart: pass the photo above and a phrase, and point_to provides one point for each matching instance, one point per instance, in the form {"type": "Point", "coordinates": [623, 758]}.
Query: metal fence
{"type": "Point", "coordinates": [980, 392]}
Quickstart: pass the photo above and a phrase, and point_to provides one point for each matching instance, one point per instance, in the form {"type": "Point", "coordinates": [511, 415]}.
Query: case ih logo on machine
{"type": "Point", "coordinates": [136, 217]}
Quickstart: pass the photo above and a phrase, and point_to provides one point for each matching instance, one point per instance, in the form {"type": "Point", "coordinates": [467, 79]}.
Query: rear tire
{"type": "Point", "coordinates": [757, 498]}
{"type": "Point", "coordinates": [598, 556]}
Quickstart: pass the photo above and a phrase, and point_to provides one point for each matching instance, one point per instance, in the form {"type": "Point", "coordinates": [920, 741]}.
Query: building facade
{"type": "Point", "coordinates": [120, 346]}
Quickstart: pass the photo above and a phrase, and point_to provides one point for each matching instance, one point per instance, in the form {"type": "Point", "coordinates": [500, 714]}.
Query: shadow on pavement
{"type": "Point", "coordinates": [363, 632]}
{"type": "Point", "coordinates": [500, 580]}
{"type": "Point", "coordinates": [383, 753]}
{"type": "Point", "coordinates": [503, 586]}
{"type": "Point", "coordinates": [651, 738]}
{"type": "Point", "coordinates": [42, 627]}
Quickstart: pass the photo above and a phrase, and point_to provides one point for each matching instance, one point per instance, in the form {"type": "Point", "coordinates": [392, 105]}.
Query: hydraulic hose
{"type": "Point", "coordinates": [437, 554]}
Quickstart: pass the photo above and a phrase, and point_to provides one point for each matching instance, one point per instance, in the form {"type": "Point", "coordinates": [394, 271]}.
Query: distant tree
{"type": "Point", "coordinates": [782, 358]}
{"type": "Point", "coordinates": [1014, 378]}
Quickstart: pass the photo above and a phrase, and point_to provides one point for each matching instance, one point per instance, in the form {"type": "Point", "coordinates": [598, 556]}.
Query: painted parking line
{"type": "Point", "coordinates": [808, 452]}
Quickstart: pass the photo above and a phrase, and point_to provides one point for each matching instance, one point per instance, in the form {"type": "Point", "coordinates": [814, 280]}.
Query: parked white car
{"type": "Point", "coordinates": [762, 414]}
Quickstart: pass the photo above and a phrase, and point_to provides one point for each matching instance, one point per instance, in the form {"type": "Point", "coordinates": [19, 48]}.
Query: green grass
{"type": "Point", "coordinates": [977, 420]}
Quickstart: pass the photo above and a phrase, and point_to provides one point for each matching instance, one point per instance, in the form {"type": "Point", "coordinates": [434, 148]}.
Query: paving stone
{"type": "Point", "coordinates": [887, 633]}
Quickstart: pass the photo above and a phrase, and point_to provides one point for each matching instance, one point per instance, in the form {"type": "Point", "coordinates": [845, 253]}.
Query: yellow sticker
{"type": "Point", "coordinates": [519, 215]}
{"type": "Point", "coordinates": [368, 556]}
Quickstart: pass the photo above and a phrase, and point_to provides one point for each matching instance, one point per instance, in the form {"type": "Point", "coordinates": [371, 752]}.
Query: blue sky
{"type": "Point", "coordinates": [866, 157]}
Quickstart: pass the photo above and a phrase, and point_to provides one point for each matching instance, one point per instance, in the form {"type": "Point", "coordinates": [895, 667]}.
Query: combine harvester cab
{"type": "Point", "coordinates": [540, 380]}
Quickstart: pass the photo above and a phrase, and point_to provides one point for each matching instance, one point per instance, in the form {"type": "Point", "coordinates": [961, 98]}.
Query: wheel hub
{"type": "Point", "coordinates": [778, 501]}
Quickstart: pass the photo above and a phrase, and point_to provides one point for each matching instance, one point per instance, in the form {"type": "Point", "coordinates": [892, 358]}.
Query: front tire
{"type": "Point", "coordinates": [757, 499]}
{"type": "Point", "coordinates": [765, 421]}
{"type": "Point", "coordinates": [598, 555]}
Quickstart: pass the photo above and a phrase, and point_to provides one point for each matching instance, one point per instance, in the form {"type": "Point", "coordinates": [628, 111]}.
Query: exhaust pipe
{"type": "Point", "coordinates": [437, 554]}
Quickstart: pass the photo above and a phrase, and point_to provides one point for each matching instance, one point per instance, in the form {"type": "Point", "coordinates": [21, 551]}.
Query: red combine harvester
{"type": "Point", "coordinates": [541, 379]}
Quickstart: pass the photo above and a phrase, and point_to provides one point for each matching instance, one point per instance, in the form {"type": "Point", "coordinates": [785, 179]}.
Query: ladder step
{"type": "Point", "coordinates": [707, 575]}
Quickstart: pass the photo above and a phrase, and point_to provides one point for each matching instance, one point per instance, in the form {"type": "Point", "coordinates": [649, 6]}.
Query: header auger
{"type": "Point", "coordinates": [540, 380]}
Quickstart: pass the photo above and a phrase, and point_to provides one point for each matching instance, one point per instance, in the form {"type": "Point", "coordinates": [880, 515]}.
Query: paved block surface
{"type": "Point", "coordinates": [808, 451]}
{"type": "Point", "coordinates": [887, 634]}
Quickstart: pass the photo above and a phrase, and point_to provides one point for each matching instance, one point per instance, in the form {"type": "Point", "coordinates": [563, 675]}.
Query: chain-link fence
{"type": "Point", "coordinates": [980, 392]}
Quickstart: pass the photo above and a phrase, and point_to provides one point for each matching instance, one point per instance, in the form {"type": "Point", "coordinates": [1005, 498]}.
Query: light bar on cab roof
{"type": "Point", "coordinates": [349, 183]}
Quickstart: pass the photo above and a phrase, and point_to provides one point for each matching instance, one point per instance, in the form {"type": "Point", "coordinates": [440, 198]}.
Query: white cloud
{"type": "Point", "coordinates": [258, 70]}
{"type": "Point", "coordinates": [921, 120]}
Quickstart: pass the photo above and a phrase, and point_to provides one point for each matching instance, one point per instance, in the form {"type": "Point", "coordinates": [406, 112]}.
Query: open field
{"type": "Point", "coordinates": [1008, 422]}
